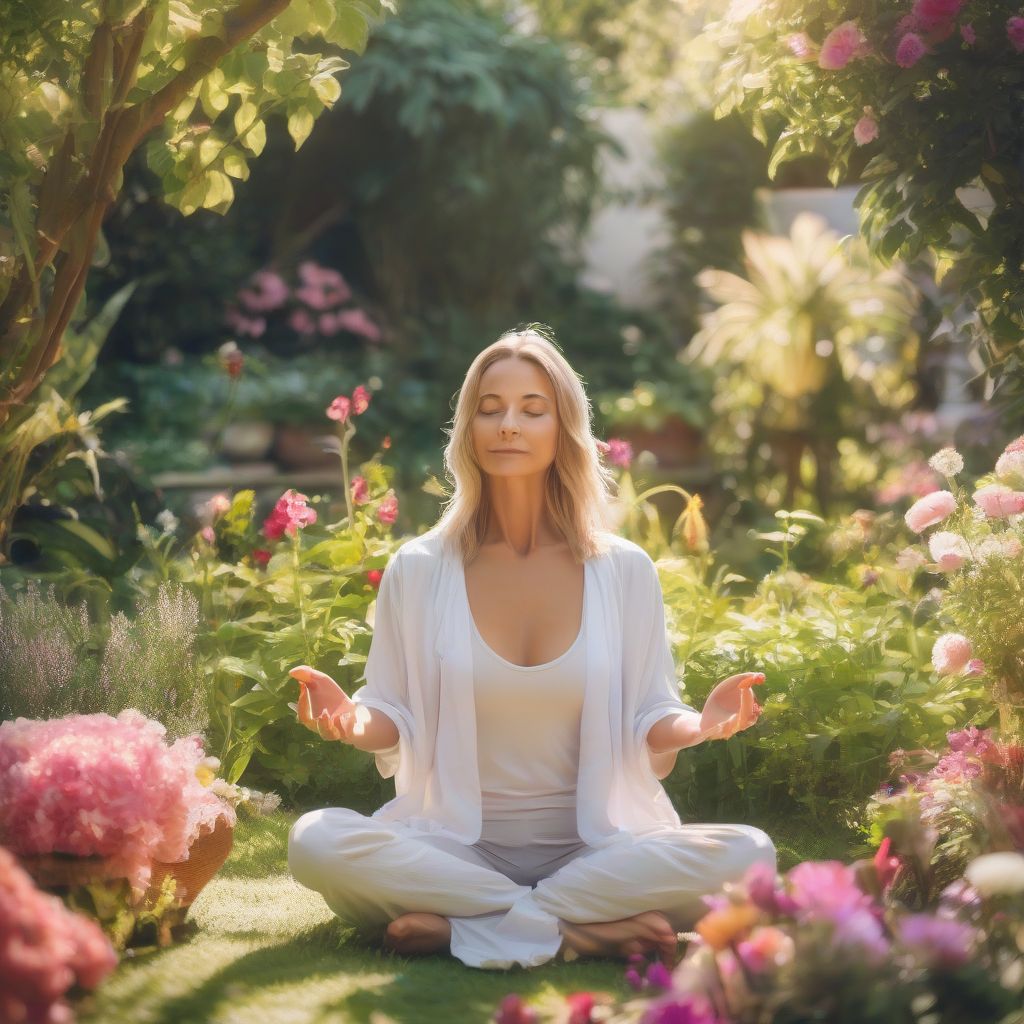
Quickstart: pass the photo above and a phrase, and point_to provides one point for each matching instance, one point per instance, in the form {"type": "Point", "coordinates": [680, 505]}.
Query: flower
{"type": "Point", "coordinates": [218, 505]}
{"type": "Point", "coordinates": [374, 577]}
{"type": "Point", "coordinates": [356, 321]}
{"type": "Point", "coordinates": [301, 322]}
{"type": "Point", "coordinates": [929, 510]}
{"type": "Point", "coordinates": [886, 866]}
{"type": "Point", "coordinates": [1006, 546]}
{"type": "Point", "coordinates": [910, 50]}
{"type": "Point", "coordinates": [289, 515]}
{"type": "Point", "coordinates": [322, 287]}
{"type": "Point", "coordinates": [910, 559]}
{"type": "Point", "coordinates": [802, 46]}
{"type": "Point", "coordinates": [580, 1005]}
{"type": "Point", "coordinates": [360, 490]}
{"type": "Point", "coordinates": [679, 1008]}
{"type": "Point", "coordinates": [974, 741]}
{"type": "Point", "coordinates": [720, 927]}
{"type": "Point", "coordinates": [269, 292]}
{"type": "Point", "coordinates": [968, 35]}
{"type": "Point", "coordinates": [765, 948]}
{"type": "Point", "coordinates": [762, 890]}
{"type": "Point", "coordinates": [386, 443]}
{"type": "Point", "coordinates": [947, 461]}
{"type": "Point", "coordinates": [1015, 33]}
{"type": "Point", "coordinates": [387, 510]}
{"type": "Point", "coordinates": [949, 550]}
{"type": "Point", "coordinates": [694, 527]}
{"type": "Point", "coordinates": [994, 874]}
{"type": "Point", "coordinates": [998, 501]}
{"type": "Point", "coordinates": [619, 452]}
{"type": "Point", "coordinates": [1010, 466]}
{"type": "Point", "coordinates": [360, 400]}
{"type": "Point", "coordinates": [931, 13]}
{"type": "Point", "coordinates": [844, 43]}
{"type": "Point", "coordinates": [45, 949]}
{"type": "Point", "coordinates": [950, 653]}
{"type": "Point", "coordinates": [975, 667]}
{"type": "Point", "coordinates": [514, 1011]}
{"type": "Point", "coordinates": [945, 943]}
{"type": "Point", "coordinates": [261, 556]}
{"type": "Point", "coordinates": [208, 535]}
{"type": "Point", "coordinates": [865, 130]}
{"type": "Point", "coordinates": [167, 521]}
{"type": "Point", "coordinates": [339, 409]}
{"type": "Point", "coordinates": [230, 357]}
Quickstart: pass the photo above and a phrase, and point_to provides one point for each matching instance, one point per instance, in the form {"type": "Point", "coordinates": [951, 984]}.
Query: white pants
{"type": "Point", "coordinates": [371, 872]}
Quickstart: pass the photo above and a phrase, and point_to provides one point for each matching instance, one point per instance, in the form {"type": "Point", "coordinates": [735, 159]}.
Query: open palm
{"type": "Point", "coordinates": [730, 706]}
{"type": "Point", "coordinates": [323, 706]}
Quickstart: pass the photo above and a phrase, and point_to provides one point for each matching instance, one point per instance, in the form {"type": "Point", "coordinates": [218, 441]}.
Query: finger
{"type": "Point", "coordinates": [306, 674]}
{"type": "Point", "coordinates": [746, 713]}
{"type": "Point", "coordinates": [749, 679]}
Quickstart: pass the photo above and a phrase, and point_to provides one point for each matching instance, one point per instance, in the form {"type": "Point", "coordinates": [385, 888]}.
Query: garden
{"type": "Point", "coordinates": [247, 254]}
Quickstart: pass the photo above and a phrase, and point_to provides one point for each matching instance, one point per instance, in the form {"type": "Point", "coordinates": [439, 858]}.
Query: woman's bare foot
{"type": "Point", "coordinates": [419, 933]}
{"type": "Point", "coordinates": [641, 933]}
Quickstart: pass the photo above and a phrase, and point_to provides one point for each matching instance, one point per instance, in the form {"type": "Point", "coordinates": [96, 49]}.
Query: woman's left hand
{"type": "Point", "coordinates": [730, 706]}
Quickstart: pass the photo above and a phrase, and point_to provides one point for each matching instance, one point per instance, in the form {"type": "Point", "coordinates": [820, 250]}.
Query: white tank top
{"type": "Point", "coordinates": [528, 743]}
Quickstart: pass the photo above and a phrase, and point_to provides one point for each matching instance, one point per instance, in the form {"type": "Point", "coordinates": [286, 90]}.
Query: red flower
{"type": "Point", "coordinates": [374, 576]}
{"type": "Point", "coordinates": [360, 400]}
{"type": "Point", "coordinates": [580, 1005]}
{"type": "Point", "coordinates": [261, 556]}
{"type": "Point", "coordinates": [360, 490]}
{"type": "Point", "coordinates": [514, 1011]}
{"type": "Point", "coordinates": [886, 866]}
{"type": "Point", "coordinates": [387, 510]}
{"type": "Point", "coordinates": [339, 409]}
{"type": "Point", "coordinates": [290, 514]}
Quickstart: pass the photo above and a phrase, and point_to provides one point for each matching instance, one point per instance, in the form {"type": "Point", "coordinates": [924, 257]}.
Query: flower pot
{"type": "Point", "coordinates": [205, 857]}
{"type": "Point", "coordinates": [674, 443]}
{"type": "Point", "coordinates": [246, 440]}
{"type": "Point", "coordinates": [300, 447]}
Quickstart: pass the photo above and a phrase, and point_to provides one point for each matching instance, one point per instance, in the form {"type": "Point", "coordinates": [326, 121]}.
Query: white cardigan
{"type": "Point", "coordinates": [419, 673]}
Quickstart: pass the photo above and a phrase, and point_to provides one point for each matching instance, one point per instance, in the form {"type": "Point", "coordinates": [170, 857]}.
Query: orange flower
{"type": "Point", "coordinates": [693, 525]}
{"type": "Point", "coordinates": [720, 927]}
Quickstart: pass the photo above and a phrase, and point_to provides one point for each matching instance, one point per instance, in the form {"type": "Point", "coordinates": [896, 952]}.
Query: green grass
{"type": "Point", "coordinates": [261, 949]}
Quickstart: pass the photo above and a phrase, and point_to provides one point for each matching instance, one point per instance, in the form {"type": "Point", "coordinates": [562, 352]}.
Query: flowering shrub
{"type": "Point", "coordinates": [933, 88]}
{"type": "Point", "coordinates": [93, 785]}
{"type": "Point", "coordinates": [45, 950]}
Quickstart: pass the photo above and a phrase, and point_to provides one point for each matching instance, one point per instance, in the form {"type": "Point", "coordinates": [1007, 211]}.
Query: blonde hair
{"type": "Point", "coordinates": [579, 487]}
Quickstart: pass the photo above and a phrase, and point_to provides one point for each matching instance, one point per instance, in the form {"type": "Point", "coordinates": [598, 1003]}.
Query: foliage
{"type": "Point", "coordinates": [946, 172]}
{"type": "Point", "coordinates": [57, 659]}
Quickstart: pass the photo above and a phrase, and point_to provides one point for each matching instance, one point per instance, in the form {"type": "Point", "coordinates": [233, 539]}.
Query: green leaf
{"type": "Point", "coordinates": [300, 124]}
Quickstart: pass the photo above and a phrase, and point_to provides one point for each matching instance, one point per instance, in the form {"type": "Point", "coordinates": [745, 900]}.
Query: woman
{"type": "Point", "coordinates": [521, 689]}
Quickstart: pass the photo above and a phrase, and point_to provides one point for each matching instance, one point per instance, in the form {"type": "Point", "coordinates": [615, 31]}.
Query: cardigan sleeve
{"type": "Point", "coordinates": [648, 662]}
{"type": "Point", "coordinates": [387, 681]}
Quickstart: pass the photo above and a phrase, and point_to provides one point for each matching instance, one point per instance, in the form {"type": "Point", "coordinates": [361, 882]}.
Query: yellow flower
{"type": "Point", "coordinates": [693, 525]}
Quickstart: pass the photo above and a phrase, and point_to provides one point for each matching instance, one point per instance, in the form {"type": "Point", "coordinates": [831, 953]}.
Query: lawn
{"type": "Point", "coordinates": [258, 947]}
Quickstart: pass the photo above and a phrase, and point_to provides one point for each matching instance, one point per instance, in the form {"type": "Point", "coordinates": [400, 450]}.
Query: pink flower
{"type": "Point", "coordinates": [1010, 466]}
{"type": "Point", "coordinates": [386, 443]}
{"type": "Point", "coordinates": [680, 1008]}
{"type": "Point", "coordinates": [943, 942]}
{"type": "Point", "coordinates": [910, 50]}
{"type": "Point", "coordinates": [844, 43]}
{"type": "Point", "coordinates": [253, 326]}
{"type": "Point", "coordinates": [360, 400]}
{"type": "Point", "coordinates": [387, 510]}
{"type": "Point", "coordinates": [1015, 33]}
{"type": "Point", "coordinates": [931, 13]}
{"type": "Point", "coordinates": [374, 577]}
{"type": "Point", "coordinates": [974, 741]}
{"type": "Point", "coordinates": [339, 409]}
{"type": "Point", "coordinates": [975, 667]}
{"type": "Point", "coordinates": [514, 1011]}
{"type": "Point", "coordinates": [968, 35]}
{"type": "Point", "coordinates": [269, 292]}
{"type": "Point", "coordinates": [357, 322]}
{"type": "Point", "coordinates": [801, 45]}
{"type": "Point", "coordinates": [322, 287]}
{"type": "Point", "coordinates": [619, 452]}
{"type": "Point", "coordinates": [208, 535]}
{"type": "Point", "coordinates": [290, 514]}
{"type": "Point", "coordinates": [929, 510]}
{"type": "Point", "coordinates": [950, 653]}
{"type": "Point", "coordinates": [261, 556]}
{"type": "Point", "coordinates": [301, 322]}
{"type": "Point", "coordinates": [865, 130]}
{"type": "Point", "coordinates": [45, 950]}
{"type": "Point", "coordinates": [580, 1005]}
{"type": "Point", "coordinates": [998, 501]}
{"type": "Point", "coordinates": [765, 948]}
{"type": "Point", "coordinates": [916, 480]}
{"type": "Point", "coordinates": [328, 324]}
{"type": "Point", "coordinates": [217, 506]}
{"type": "Point", "coordinates": [886, 866]}
{"type": "Point", "coordinates": [949, 550]}
{"type": "Point", "coordinates": [761, 883]}
{"type": "Point", "coordinates": [360, 490]}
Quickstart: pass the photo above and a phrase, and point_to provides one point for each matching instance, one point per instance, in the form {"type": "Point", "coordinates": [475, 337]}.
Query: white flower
{"type": "Point", "coordinates": [993, 874]}
{"type": "Point", "coordinates": [947, 461]}
{"type": "Point", "coordinates": [1010, 467]}
{"type": "Point", "coordinates": [1006, 546]}
{"type": "Point", "coordinates": [910, 559]}
{"type": "Point", "coordinates": [951, 653]}
{"type": "Point", "coordinates": [167, 521]}
{"type": "Point", "coordinates": [949, 550]}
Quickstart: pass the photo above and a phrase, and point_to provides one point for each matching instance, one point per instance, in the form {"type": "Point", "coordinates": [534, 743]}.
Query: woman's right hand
{"type": "Point", "coordinates": [323, 706]}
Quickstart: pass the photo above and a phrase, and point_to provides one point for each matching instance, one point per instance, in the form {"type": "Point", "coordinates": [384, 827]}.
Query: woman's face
{"type": "Point", "coordinates": [515, 410]}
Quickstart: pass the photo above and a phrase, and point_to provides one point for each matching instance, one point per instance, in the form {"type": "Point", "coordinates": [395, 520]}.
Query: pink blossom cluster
{"type": "Point", "coordinates": [616, 451]}
{"type": "Point", "coordinates": [343, 407]}
{"type": "Point", "coordinates": [45, 949]}
{"type": "Point", "coordinates": [290, 514]}
{"type": "Point", "coordinates": [94, 785]}
{"type": "Point", "coordinates": [320, 294]}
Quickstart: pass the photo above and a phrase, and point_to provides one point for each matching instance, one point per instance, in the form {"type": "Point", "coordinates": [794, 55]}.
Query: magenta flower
{"type": "Point", "coordinates": [975, 667]}
{"type": "Point", "coordinates": [290, 514]}
{"type": "Point", "coordinates": [322, 287]}
{"type": "Point", "coordinates": [844, 43]}
{"type": "Point", "coordinates": [950, 653]}
{"type": "Point", "coordinates": [761, 882]}
{"type": "Point", "coordinates": [998, 501]}
{"type": "Point", "coordinates": [942, 942]}
{"type": "Point", "coordinates": [680, 1008]}
{"type": "Point", "coordinates": [514, 1011]}
{"type": "Point", "coordinates": [620, 453]}
{"type": "Point", "coordinates": [261, 556]}
{"type": "Point", "coordinates": [865, 130]}
{"type": "Point", "coordinates": [932, 13]}
{"type": "Point", "coordinates": [910, 50]}
{"type": "Point", "coordinates": [387, 510]}
{"type": "Point", "coordinates": [1015, 33]}
{"type": "Point", "coordinates": [929, 510]}
{"type": "Point", "coordinates": [975, 742]}
{"type": "Point", "coordinates": [45, 950]}
{"type": "Point", "coordinates": [886, 866]}
{"type": "Point", "coordinates": [339, 409]}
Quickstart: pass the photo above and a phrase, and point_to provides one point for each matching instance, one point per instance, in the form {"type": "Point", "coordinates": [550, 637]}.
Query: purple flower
{"type": "Point", "coordinates": [763, 892]}
{"type": "Point", "coordinates": [658, 976]}
{"type": "Point", "coordinates": [910, 50]}
{"type": "Point", "coordinates": [680, 1008]}
{"type": "Point", "coordinates": [1015, 33]}
{"type": "Point", "coordinates": [944, 942]}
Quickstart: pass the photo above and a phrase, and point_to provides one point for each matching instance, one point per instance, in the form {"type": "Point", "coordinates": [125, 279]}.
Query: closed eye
{"type": "Point", "coordinates": [495, 413]}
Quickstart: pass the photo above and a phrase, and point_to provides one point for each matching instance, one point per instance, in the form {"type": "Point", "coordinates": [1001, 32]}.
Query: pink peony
{"type": "Point", "coordinates": [865, 130]}
{"type": "Point", "coordinates": [998, 501]}
{"type": "Point", "coordinates": [1015, 33]}
{"type": "Point", "coordinates": [93, 784]}
{"type": "Point", "coordinates": [929, 510]}
{"type": "Point", "coordinates": [941, 942]}
{"type": "Point", "coordinates": [910, 50]}
{"type": "Point", "coordinates": [844, 43]}
{"type": "Point", "coordinates": [620, 453]}
{"type": "Point", "coordinates": [951, 653]}
{"type": "Point", "coordinates": [360, 400]}
{"type": "Point", "coordinates": [339, 409]}
{"type": "Point", "coordinates": [289, 515]}
{"type": "Point", "coordinates": [387, 510]}
{"type": "Point", "coordinates": [45, 949]}
{"type": "Point", "coordinates": [949, 550]}
{"type": "Point", "coordinates": [360, 490]}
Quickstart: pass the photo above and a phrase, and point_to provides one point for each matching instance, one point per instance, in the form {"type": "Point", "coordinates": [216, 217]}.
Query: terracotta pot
{"type": "Point", "coordinates": [674, 443]}
{"type": "Point", "coordinates": [297, 447]}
